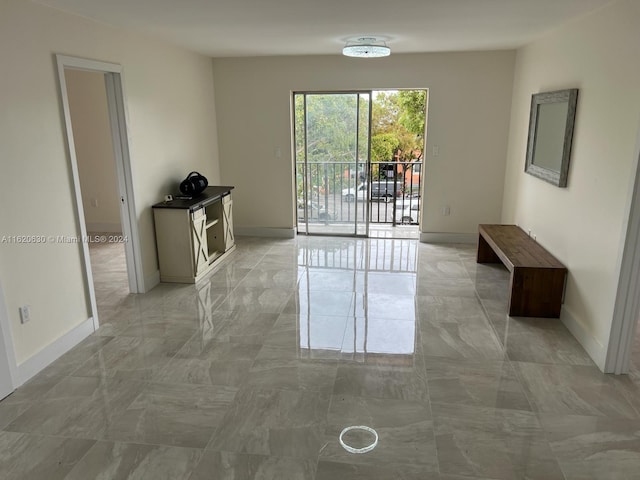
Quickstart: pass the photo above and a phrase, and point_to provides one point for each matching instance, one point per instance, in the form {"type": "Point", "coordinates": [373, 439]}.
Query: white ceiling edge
{"type": "Point", "coordinates": [250, 28]}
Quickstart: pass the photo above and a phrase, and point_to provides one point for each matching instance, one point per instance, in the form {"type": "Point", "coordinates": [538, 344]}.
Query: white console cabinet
{"type": "Point", "coordinates": [193, 236]}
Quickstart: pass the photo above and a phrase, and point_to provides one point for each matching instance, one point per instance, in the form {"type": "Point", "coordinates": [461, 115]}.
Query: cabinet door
{"type": "Point", "coordinates": [227, 217]}
{"type": "Point", "coordinates": [199, 237]}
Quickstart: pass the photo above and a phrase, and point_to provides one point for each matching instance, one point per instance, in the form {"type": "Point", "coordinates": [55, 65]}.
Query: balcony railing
{"type": "Point", "coordinates": [336, 192]}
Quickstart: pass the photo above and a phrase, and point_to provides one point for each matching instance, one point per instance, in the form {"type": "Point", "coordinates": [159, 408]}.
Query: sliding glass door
{"type": "Point", "coordinates": [332, 141]}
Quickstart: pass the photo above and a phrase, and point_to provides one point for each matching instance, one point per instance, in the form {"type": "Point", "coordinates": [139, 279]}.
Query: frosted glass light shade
{"type": "Point", "coordinates": [366, 48]}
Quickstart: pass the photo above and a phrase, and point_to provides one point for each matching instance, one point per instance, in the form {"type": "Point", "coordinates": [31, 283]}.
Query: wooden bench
{"type": "Point", "coordinates": [537, 277]}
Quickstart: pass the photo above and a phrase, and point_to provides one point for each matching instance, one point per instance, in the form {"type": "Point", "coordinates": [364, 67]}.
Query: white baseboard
{"type": "Point", "coordinates": [437, 237]}
{"type": "Point", "coordinates": [53, 351]}
{"type": "Point", "coordinates": [151, 281]}
{"type": "Point", "coordinates": [265, 232]}
{"type": "Point", "coordinates": [593, 347]}
{"type": "Point", "coordinates": [104, 228]}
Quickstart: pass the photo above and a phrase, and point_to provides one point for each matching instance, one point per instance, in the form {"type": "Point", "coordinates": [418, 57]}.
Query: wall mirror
{"type": "Point", "coordinates": [551, 123]}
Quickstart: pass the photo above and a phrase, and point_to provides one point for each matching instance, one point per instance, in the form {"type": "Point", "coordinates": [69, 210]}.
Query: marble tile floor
{"type": "Point", "coordinates": [254, 372]}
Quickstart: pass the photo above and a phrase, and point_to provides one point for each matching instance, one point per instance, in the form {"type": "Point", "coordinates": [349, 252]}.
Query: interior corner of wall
{"type": "Point", "coordinates": [596, 350]}
{"type": "Point", "coordinates": [150, 281]}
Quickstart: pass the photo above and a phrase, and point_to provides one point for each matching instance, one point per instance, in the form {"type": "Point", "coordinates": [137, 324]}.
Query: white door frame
{"type": "Point", "coordinates": [118, 121]}
{"type": "Point", "coordinates": [627, 305]}
{"type": "Point", "coordinates": [8, 355]}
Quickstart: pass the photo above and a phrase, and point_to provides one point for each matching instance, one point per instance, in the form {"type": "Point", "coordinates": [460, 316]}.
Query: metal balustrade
{"type": "Point", "coordinates": [336, 192]}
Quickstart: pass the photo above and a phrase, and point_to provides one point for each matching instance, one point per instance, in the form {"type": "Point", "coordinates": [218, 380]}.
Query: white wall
{"type": "Point", "coordinates": [94, 150]}
{"type": "Point", "coordinates": [583, 224]}
{"type": "Point", "coordinates": [468, 118]}
{"type": "Point", "coordinates": [170, 103]}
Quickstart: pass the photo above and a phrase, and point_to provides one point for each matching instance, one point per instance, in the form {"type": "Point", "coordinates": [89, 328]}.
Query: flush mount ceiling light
{"type": "Point", "coordinates": [366, 47]}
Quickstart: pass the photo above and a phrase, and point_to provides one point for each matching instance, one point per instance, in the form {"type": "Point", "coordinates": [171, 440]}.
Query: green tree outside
{"type": "Point", "coordinates": [334, 124]}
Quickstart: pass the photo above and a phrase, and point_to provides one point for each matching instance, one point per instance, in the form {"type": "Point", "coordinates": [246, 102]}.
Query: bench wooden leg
{"type": "Point", "coordinates": [486, 253]}
{"type": "Point", "coordinates": [536, 292]}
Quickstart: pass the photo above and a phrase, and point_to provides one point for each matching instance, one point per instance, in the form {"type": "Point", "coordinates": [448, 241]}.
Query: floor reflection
{"type": "Point", "coordinates": [358, 299]}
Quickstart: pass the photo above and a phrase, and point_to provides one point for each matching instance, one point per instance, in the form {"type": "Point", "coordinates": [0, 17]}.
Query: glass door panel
{"type": "Point", "coordinates": [332, 162]}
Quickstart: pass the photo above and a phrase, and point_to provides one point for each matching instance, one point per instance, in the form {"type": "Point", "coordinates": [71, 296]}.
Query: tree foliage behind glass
{"type": "Point", "coordinates": [398, 123]}
{"type": "Point", "coordinates": [331, 122]}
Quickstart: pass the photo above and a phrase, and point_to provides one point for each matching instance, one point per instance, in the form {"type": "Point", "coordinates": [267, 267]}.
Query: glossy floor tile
{"type": "Point", "coordinates": [81, 407]}
{"type": "Point", "coordinates": [493, 443]}
{"type": "Point", "coordinates": [124, 461]}
{"type": "Point", "coordinates": [22, 399]}
{"type": "Point", "coordinates": [170, 414]}
{"type": "Point", "coordinates": [477, 383]}
{"type": "Point", "coordinates": [210, 363]}
{"type": "Point", "coordinates": [282, 367]}
{"type": "Point", "coordinates": [590, 448]}
{"type": "Point", "coordinates": [404, 428]}
{"type": "Point", "coordinates": [136, 357]}
{"type": "Point", "coordinates": [254, 372]}
{"type": "Point", "coordinates": [383, 381]}
{"type": "Point", "coordinates": [239, 466]}
{"type": "Point", "coordinates": [35, 457]}
{"type": "Point", "coordinates": [284, 423]}
{"type": "Point", "coordinates": [461, 338]}
{"type": "Point", "coordinates": [350, 471]}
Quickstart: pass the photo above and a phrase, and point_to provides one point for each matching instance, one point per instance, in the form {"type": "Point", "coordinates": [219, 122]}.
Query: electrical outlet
{"type": "Point", "coordinates": [94, 202]}
{"type": "Point", "coordinates": [446, 211]}
{"type": "Point", "coordinates": [436, 150]}
{"type": "Point", "coordinates": [25, 313]}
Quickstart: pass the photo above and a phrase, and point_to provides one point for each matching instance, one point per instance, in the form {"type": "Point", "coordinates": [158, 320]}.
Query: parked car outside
{"type": "Point", "coordinates": [353, 194]}
{"type": "Point", "coordinates": [316, 212]}
{"type": "Point", "coordinates": [383, 191]}
{"type": "Point", "coordinates": [380, 191]}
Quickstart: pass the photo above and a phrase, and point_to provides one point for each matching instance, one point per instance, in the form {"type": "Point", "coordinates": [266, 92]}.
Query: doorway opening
{"type": "Point", "coordinates": [624, 340]}
{"type": "Point", "coordinates": [98, 184]}
{"type": "Point", "coordinates": [97, 140]}
{"type": "Point", "coordinates": [359, 162]}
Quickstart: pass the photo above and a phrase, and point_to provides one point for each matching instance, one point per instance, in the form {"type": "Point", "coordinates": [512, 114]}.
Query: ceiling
{"type": "Point", "coordinates": [230, 28]}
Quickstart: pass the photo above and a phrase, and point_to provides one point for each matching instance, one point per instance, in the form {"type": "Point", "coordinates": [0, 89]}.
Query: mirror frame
{"type": "Point", "coordinates": [557, 178]}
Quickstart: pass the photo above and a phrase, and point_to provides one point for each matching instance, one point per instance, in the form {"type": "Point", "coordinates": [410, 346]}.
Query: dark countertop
{"type": "Point", "coordinates": [210, 195]}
